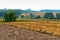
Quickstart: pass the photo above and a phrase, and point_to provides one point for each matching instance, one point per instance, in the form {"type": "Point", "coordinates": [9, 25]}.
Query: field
{"type": "Point", "coordinates": [44, 26]}
{"type": "Point", "coordinates": [9, 32]}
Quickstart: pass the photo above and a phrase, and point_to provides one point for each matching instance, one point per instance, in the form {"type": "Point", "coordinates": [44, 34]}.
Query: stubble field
{"type": "Point", "coordinates": [48, 27]}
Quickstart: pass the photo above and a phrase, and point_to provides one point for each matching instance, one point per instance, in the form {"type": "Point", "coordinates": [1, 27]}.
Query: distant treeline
{"type": "Point", "coordinates": [13, 14]}
{"type": "Point", "coordinates": [17, 11]}
{"type": "Point", "coordinates": [47, 15]}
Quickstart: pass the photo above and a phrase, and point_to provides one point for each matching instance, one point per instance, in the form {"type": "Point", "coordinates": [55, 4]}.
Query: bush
{"type": "Point", "coordinates": [58, 16]}
{"type": "Point", "coordinates": [38, 17]}
{"type": "Point", "coordinates": [10, 16]}
{"type": "Point", "coordinates": [32, 15]}
{"type": "Point", "coordinates": [49, 16]}
{"type": "Point", "coordinates": [22, 16]}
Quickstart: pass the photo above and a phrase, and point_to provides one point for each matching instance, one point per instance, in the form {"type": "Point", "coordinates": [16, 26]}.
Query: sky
{"type": "Point", "coordinates": [30, 4]}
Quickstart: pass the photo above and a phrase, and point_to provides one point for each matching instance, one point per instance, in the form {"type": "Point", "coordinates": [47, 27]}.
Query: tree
{"type": "Point", "coordinates": [22, 16]}
{"type": "Point", "coordinates": [58, 16]}
{"type": "Point", "coordinates": [32, 15]}
{"type": "Point", "coordinates": [10, 16]}
{"type": "Point", "coordinates": [49, 15]}
{"type": "Point", "coordinates": [38, 17]}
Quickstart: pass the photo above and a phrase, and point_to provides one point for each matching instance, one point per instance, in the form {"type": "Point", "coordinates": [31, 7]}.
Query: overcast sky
{"type": "Point", "coordinates": [32, 4]}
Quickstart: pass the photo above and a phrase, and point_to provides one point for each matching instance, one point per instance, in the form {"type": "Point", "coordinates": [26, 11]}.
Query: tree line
{"type": "Point", "coordinates": [11, 16]}
{"type": "Point", "coordinates": [48, 15]}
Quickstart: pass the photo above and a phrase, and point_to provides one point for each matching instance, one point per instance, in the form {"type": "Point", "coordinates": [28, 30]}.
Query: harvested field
{"type": "Point", "coordinates": [48, 27]}
{"type": "Point", "coordinates": [9, 32]}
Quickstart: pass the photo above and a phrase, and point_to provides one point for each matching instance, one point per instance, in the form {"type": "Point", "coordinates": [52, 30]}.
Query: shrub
{"type": "Point", "coordinates": [32, 15]}
{"type": "Point", "coordinates": [38, 17]}
{"type": "Point", "coordinates": [58, 16]}
{"type": "Point", "coordinates": [22, 16]}
{"type": "Point", "coordinates": [49, 15]}
{"type": "Point", "coordinates": [10, 16]}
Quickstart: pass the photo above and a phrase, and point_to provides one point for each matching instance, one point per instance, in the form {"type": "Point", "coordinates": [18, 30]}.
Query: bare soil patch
{"type": "Point", "coordinates": [14, 33]}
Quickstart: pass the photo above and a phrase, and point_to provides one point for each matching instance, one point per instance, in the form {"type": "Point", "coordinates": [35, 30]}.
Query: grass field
{"type": "Point", "coordinates": [44, 26]}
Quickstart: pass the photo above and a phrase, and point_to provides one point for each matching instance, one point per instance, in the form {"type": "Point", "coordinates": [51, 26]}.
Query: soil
{"type": "Point", "coordinates": [9, 32]}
